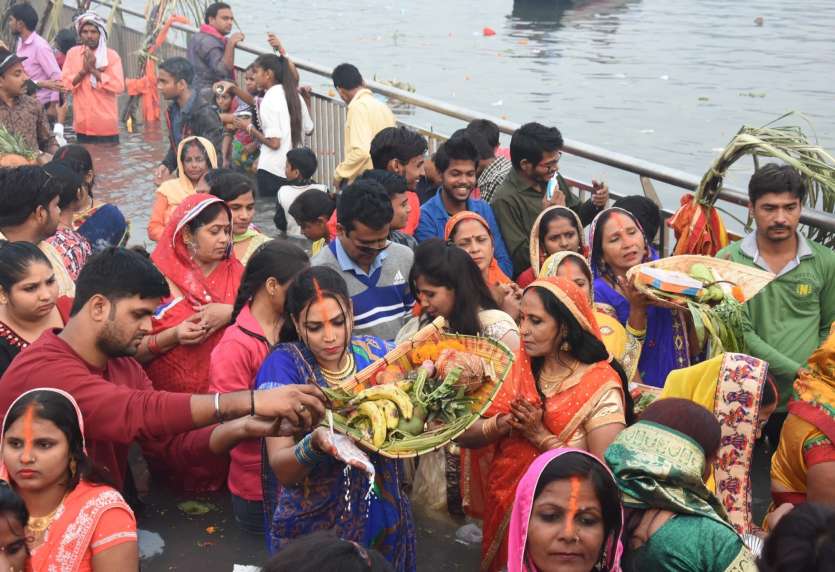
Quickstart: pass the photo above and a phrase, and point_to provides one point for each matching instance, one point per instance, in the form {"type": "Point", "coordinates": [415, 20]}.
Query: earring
{"type": "Point", "coordinates": [565, 346]}
{"type": "Point", "coordinates": [73, 468]}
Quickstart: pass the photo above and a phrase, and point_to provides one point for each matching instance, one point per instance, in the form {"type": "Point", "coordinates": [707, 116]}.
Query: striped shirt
{"type": "Point", "coordinates": [381, 298]}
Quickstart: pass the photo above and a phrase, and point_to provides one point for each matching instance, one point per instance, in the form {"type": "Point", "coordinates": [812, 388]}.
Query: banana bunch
{"type": "Point", "coordinates": [717, 317]}
{"type": "Point", "coordinates": [380, 409]}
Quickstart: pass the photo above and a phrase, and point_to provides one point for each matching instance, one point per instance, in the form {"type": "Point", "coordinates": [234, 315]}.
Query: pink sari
{"type": "Point", "coordinates": [523, 505]}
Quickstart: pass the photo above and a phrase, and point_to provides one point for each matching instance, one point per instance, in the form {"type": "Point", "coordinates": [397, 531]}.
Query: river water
{"type": "Point", "coordinates": [669, 81]}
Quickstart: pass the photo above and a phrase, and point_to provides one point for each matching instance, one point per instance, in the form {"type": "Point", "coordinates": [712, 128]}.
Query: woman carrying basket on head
{"type": "Point", "coordinates": [315, 492]}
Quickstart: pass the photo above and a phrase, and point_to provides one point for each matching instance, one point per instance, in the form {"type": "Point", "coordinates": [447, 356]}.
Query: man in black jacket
{"type": "Point", "coordinates": [189, 113]}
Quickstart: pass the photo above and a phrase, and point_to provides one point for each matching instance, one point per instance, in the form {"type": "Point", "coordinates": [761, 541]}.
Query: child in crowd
{"type": "Point", "coordinates": [223, 103]}
{"type": "Point", "coordinates": [301, 165]}
{"type": "Point", "coordinates": [65, 40]}
{"type": "Point", "coordinates": [311, 211]}
{"type": "Point", "coordinates": [244, 151]}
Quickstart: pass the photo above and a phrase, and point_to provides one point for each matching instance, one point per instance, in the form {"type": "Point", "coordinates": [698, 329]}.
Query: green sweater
{"type": "Point", "coordinates": [791, 316]}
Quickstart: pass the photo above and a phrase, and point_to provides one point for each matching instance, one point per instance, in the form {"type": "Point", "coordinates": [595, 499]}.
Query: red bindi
{"type": "Point", "coordinates": [320, 301]}
{"type": "Point", "coordinates": [28, 432]}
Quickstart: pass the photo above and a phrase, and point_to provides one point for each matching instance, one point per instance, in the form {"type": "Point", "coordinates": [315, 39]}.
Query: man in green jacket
{"type": "Point", "coordinates": [791, 316]}
{"type": "Point", "coordinates": [535, 152]}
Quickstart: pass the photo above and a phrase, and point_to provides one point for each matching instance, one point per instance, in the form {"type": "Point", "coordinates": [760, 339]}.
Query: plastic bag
{"type": "Point", "coordinates": [429, 488]}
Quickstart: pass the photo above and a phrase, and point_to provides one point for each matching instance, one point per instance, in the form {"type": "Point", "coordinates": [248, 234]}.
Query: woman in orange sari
{"type": "Point", "coordinates": [563, 392]}
{"type": "Point", "coordinates": [76, 522]}
{"type": "Point", "coordinates": [470, 232]}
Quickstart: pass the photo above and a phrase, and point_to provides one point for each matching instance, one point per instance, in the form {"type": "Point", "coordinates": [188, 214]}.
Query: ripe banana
{"type": "Point", "coordinates": [390, 392]}
{"type": "Point", "coordinates": [389, 409]}
{"type": "Point", "coordinates": [378, 421]}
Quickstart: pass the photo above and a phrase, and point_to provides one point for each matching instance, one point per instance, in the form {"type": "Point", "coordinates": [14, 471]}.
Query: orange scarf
{"type": "Point", "coordinates": [494, 273]}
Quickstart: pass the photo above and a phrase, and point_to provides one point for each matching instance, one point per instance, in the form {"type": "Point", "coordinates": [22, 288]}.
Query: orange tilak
{"type": "Point", "coordinates": [320, 299]}
{"type": "Point", "coordinates": [572, 504]}
{"type": "Point", "coordinates": [28, 434]}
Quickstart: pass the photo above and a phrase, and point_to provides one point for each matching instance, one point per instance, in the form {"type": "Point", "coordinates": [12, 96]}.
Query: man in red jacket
{"type": "Point", "coordinates": [116, 294]}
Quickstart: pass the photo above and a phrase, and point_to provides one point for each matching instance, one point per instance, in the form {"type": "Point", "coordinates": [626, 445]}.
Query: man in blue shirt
{"type": "Point", "coordinates": [456, 161]}
{"type": "Point", "coordinates": [375, 270]}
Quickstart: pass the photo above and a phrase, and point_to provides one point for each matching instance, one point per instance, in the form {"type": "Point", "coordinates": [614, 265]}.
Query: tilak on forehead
{"type": "Point", "coordinates": [28, 431]}
{"type": "Point", "coordinates": [573, 498]}
{"type": "Point", "coordinates": [320, 300]}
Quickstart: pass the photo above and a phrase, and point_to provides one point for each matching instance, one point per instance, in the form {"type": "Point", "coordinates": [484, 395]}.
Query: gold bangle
{"type": "Point", "coordinates": [640, 334]}
{"type": "Point", "coordinates": [544, 444]}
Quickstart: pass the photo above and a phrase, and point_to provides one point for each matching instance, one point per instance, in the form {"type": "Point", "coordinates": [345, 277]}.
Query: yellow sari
{"type": "Point", "coordinates": [730, 386]}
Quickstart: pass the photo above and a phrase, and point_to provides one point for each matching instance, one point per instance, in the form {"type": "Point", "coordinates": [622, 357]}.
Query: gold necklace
{"type": "Point", "coordinates": [335, 377]}
{"type": "Point", "coordinates": [38, 524]}
{"type": "Point", "coordinates": [550, 384]}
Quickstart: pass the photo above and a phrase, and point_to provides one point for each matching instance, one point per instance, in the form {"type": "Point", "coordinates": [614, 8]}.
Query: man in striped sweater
{"type": "Point", "coordinates": [375, 269]}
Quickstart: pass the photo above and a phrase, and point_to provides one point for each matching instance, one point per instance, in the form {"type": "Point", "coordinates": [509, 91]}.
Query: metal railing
{"type": "Point", "coordinates": [328, 115]}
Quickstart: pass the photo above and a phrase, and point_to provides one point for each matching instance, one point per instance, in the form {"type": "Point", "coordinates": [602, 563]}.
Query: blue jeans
{"type": "Point", "coordinates": [248, 514]}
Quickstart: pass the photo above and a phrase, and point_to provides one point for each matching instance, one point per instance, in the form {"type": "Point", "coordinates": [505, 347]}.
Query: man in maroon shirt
{"type": "Point", "coordinates": [116, 294]}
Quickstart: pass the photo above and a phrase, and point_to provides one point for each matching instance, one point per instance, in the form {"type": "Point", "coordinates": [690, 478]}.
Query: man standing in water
{"type": "Point", "coordinates": [93, 72]}
{"type": "Point", "coordinates": [210, 52]}
{"type": "Point", "coordinates": [791, 316]}
{"type": "Point", "coordinates": [366, 117]}
{"type": "Point", "coordinates": [22, 114]}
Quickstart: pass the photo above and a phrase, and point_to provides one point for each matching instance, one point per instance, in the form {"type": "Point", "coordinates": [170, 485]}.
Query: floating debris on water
{"type": "Point", "coordinates": [752, 93]}
{"type": "Point", "coordinates": [196, 508]}
{"type": "Point", "coordinates": [150, 544]}
{"type": "Point", "coordinates": [759, 20]}
{"type": "Point", "coordinates": [488, 31]}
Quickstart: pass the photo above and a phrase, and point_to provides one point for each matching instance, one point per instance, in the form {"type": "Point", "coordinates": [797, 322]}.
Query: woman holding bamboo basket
{"type": "Point", "coordinates": [563, 392]}
{"type": "Point", "coordinates": [317, 489]}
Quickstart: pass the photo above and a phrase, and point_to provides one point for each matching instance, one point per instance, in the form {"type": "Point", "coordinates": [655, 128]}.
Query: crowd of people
{"type": "Point", "coordinates": [212, 351]}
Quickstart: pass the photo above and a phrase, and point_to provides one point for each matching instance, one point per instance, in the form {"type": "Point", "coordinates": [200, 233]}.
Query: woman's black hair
{"type": "Point", "coordinates": [229, 186]}
{"type": "Point", "coordinates": [54, 407]}
{"type": "Point", "coordinates": [584, 346]}
{"type": "Point", "coordinates": [280, 68]}
{"type": "Point", "coordinates": [689, 418]}
{"type": "Point", "coordinates": [552, 215]}
{"type": "Point", "coordinates": [303, 290]}
{"type": "Point", "coordinates": [78, 158]}
{"type": "Point", "coordinates": [199, 145]}
{"type": "Point", "coordinates": [15, 258]}
{"type": "Point", "coordinates": [596, 257]}
{"type": "Point", "coordinates": [68, 179]}
{"type": "Point", "coordinates": [605, 489]}
{"type": "Point", "coordinates": [207, 215]}
{"type": "Point", "coordinates": [770, 391]}
{"type": "Point", "coordinates": [277, 259]}
{"type": "Point", "coordinates": [804, 539]}
{"type": "Point", "coordinates": [443, 264]}
{"type": "Point", "coordinates": [324, 550]}
{"type": "Point", "coordinates": [12, 505]}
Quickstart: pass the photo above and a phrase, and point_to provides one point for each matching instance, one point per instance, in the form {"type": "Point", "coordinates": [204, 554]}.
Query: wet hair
{"type": "Point", "coordinates": [229, 185]}
{"type": "Point", "coordinates": [24, 12]}
{"type": "Point", "coordinates": [54, 407]}
{"type": "Point", "coordinates": [804, 539]}
{"type": "Point", "coordinates": [277, 259]}
{"type": "Point", "coordinates": [66, 39]}
{"type": "Point", "coordinates": [22, 191]}
{"type": "Point", "coordinates": [596, 255]}
{"type": "Point", "coordinates": [310, 205]}
{"type": "Point", "coordinates": [13, 507]}
{"type": "Point", "coordinates": [323, 550]}
{"type": "Point", "coordinates": [302, 293]}
{"type": "Point", "coordinates": [778, 179]}
{"type": "Point", "coordinates": [15, 259]}
{"type": "Point", "coordinates": [399, 143]}
{"type": "Point", "coordinates": [605, 489]}
{"type": "Point", "coordinates": [365, 202]}
{"type": "Point", "coordinates": [207, 215]}
{"type": "Point", "coordinates": [304, 160]}
{"type": "Point", "coordinates": [179, 68]}
{"type": "Point", "coordinates": [531, 141]}
{"type": "Point", "coordinates": [584, 346]}
{"type": "Point", "coordinates": [553, 215]}
{"type": "Point", "coordinates": [280, 68]}
{"type": "Point", "coordinates": [67, 180]}
{"type": "Point", "coordinates": [689, 418]}
{"type": "Point", "coordinates": [392, 183]}
{"type": "Point", "coordinates": [346, 76]}
{"type": "Point", "coordinates": [643, 209]}
{"type": "Point", "coordinates": [213, 9]}
{"type": "Point", "coordinates": [455, 149]}
{"type": "Point", "coordinates": [74, 154]}
{"type": "Point", "coordinates": [195, 143]}
{"type": "Point", "coordinates": [444, 264]}
{"type": "Point", "coordinates": [118, 273]}
{"type": "Point", "coordinates": [487, 128]}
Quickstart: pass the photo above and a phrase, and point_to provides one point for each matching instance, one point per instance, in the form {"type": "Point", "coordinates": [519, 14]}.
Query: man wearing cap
{"type": "Point", "coordinates": [93, 72]}
{"type": "Point", "coordinates": [22, 114]}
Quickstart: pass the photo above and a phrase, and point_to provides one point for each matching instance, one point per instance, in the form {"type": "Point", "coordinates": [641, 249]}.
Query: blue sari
{"type": "Point", "coordinates": [665, 347]}
{"type": "Point", "coordinates": [329, 498]}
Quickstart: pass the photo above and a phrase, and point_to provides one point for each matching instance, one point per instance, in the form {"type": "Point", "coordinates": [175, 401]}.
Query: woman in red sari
{"type": "Point", "coordinates": [563, 392]}
{"type": "Point", "coordinates": [195, 255]}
